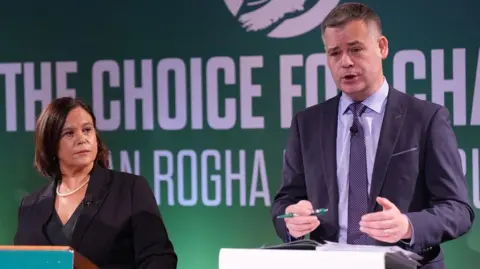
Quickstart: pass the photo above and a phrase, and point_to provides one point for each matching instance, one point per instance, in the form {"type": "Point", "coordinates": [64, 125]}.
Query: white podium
{"type": "Point", "coordinates": [230, 258]}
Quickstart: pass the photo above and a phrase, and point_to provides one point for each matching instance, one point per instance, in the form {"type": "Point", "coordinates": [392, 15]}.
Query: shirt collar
{"type": "Point", "coordinates": [374, 102]}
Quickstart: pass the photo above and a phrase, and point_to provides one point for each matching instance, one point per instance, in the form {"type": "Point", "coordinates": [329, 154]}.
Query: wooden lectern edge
{"type": "Point", "coordinates": [79, 261]}
{"type": "Point", "coordinates": [46, 248]}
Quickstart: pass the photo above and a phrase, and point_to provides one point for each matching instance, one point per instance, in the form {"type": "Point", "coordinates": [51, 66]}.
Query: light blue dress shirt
{"type": "Point", "coordinates": [372, 124]}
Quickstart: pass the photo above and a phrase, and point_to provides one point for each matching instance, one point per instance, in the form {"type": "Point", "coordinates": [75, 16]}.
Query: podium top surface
{"type": "Point", "coordinates": [230, 258]}
{"type": "Point", "coordinates": [36, 248]}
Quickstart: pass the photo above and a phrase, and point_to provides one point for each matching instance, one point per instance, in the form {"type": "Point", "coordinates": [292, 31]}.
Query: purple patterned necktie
{"type": "Point", "coordinates": [357, 178]}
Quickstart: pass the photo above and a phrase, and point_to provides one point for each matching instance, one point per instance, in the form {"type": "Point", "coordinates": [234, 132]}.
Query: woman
{"type": "Point", "coordinates": [109, 217]}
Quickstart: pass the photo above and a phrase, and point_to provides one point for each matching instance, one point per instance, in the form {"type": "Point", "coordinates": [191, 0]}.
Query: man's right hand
{"type": "Point", "coordinates": [303, 223]}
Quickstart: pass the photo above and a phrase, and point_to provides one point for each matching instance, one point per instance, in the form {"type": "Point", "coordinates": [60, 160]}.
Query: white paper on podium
{"type": "Point", "coordinates": [333, 246]}
{"type": "Point", "coordinates": [394, 254]}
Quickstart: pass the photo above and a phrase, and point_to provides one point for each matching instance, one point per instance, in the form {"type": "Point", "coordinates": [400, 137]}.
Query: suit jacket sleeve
{"type": "Point", "coordinates": [292, 188]}
{"type": "Point", "coordinates": [153, 248]}
{"type": "Point", "coordinates": [450, 214]}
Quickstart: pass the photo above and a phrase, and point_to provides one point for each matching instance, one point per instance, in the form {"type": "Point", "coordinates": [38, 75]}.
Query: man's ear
{"type": "Point", "coordinates": [383, 46]}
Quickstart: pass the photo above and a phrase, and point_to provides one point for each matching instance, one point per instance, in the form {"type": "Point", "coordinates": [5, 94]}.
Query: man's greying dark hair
{"type": "Point", "coordinates": [347, 12]}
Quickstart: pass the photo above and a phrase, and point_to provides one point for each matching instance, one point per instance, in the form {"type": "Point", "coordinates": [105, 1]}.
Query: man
{"type": "Point", "coordinates": [385, 164]}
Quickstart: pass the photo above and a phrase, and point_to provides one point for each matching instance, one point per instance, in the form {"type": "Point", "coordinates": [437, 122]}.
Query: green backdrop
{"type": "Point", "coordinates": [198, 95]}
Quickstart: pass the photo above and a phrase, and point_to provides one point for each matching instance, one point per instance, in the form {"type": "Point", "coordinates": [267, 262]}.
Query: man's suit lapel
{"type": "Point", "coordinates": [96, 192]}
{"type": "Point", "coordinates": [328, 133]}
{"type": "Point", "coordinates": [392, 123]}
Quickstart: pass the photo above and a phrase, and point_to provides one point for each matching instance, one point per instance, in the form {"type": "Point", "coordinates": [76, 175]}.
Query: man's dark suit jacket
{"type": "Point", "coordinates": [119, 227]}
{"type": "Point", "coordinates": [417, 167]}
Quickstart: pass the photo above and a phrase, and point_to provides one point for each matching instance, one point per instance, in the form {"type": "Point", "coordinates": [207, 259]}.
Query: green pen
{"type": "Point", "coordinates": [316, 212]}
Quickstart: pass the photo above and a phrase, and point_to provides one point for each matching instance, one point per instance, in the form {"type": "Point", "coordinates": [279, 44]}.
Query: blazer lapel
{"type": "Point", "coordinates": [46, 205]}
{"type": "Point", "coordinates": [96, 192]}
{"type": "Point", "coordinates": [328, 133]}
{"type": "Point", "coordinates": [391, 127]}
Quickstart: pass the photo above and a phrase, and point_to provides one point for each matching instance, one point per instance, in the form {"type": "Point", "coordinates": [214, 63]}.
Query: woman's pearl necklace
{"type": "Point", "coordinates": [72, 191]}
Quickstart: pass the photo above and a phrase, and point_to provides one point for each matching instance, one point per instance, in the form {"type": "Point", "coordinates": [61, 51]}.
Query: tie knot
{"type": "Point", "coordinates": [357, 109]}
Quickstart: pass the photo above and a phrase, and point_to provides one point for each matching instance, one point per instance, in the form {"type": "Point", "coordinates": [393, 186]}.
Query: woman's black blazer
{"type": "Point", "coordinates": [120, 225]}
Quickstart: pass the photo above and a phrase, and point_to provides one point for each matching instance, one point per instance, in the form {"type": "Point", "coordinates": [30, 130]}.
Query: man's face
{"type": "Point", "coordinates": [354, 56]}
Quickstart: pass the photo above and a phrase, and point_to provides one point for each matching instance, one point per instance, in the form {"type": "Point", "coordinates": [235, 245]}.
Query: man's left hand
{"type": "Point", "coordinates": [389, 225]}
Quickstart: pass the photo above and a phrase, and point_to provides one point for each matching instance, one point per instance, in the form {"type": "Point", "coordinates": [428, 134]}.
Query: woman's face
{"type": "Point", "coordinates": [77, 147]}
